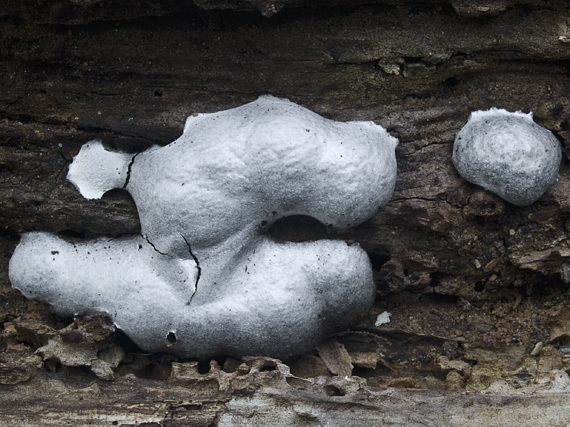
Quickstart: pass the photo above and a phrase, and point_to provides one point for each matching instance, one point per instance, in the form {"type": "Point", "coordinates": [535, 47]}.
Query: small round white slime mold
{"type": "Point", "coordinates": [508, 154]}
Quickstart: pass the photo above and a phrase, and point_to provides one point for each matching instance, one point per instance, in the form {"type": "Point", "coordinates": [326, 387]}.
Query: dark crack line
{"type": "Point", "coordinates": [405, 199]}
{"type": "Point", "coordinates": [197, 266]}
{"type": "Point", "coordinates": [154, 247]}
{"type": "Point", "coordinates": [129, 174]}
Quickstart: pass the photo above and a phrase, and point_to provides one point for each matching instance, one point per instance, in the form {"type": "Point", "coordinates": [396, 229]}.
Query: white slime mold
{"type": "Point", "coordinates": [203, 279]}
{"type": "Point", "coordinates": [508, 154]}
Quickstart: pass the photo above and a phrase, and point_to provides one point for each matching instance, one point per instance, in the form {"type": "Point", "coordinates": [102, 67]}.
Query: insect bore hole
{"type": "Point", "coordinates": [171, 338]}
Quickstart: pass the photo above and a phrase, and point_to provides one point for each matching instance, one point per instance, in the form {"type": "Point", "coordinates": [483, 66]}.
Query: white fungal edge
{"type": "Point", "coordinates": [493, 112]}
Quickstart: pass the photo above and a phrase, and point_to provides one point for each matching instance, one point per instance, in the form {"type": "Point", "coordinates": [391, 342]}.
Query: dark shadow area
{"type": "Point", "coordinates": [378, 260]}
{"type": "Point", "coordinates": [298, 228]}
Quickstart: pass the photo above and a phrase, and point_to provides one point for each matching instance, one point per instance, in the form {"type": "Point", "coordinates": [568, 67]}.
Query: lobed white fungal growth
{"type": "Point", "coordinates": [95, 170]}
{"type": "Point", "coordinates": [508, 154]}
{"type": "Point", "coordinates": [203, 279]}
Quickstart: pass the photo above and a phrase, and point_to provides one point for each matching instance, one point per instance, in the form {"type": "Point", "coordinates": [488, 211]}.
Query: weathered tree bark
{"type": "Point", "coordinates": [477, 289]}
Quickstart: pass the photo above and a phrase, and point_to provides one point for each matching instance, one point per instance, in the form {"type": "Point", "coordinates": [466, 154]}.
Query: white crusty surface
{"type": "Point", "coordinates": [262, 161]}
{"type": "Point", "coordinates": [95, 170]}
{"type": "Point", "coordinates": [508, 154]}
{"type": "Point", "coordinates": [203, 279]}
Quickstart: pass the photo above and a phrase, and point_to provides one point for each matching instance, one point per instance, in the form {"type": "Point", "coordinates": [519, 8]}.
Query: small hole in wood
{"type": "Point", "coordinates": [171, 337]}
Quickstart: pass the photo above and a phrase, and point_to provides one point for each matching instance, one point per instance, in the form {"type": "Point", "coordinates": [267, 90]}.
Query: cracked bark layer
{"type": "Point", "coordinates": [464, 275]}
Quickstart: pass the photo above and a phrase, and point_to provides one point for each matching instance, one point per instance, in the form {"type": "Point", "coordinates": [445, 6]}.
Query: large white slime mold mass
{"type": "Point", "coordinates": [202, 278]}
{"type": "Point", "coordinates": [508, 154]}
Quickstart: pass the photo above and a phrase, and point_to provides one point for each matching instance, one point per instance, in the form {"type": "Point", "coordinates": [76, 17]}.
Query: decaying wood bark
{"type": "Point", "coordinates": [476, 288]}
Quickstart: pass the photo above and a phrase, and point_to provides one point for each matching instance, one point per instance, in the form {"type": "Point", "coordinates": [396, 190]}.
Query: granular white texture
{"type": "Point", "coordinates": [203, 279]}
{"type": "Point", "coordinates": [508, 154]}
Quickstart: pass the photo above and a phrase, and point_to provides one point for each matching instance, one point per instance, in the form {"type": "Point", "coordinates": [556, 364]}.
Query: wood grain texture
{"type": "Point", "coordinates": [473, 284]}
